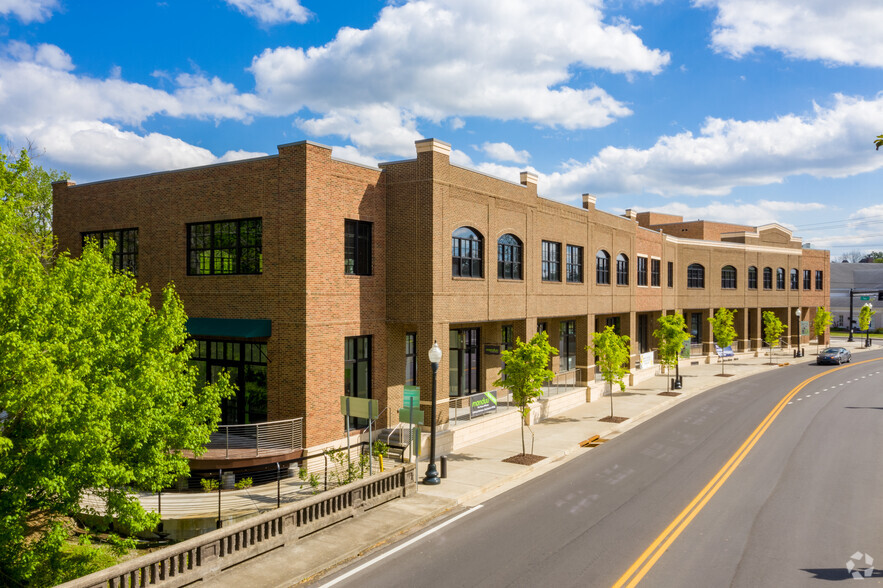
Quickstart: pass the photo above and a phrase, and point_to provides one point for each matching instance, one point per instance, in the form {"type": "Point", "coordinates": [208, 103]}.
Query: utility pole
{"type": "Point", "coordinates": [850, 340]}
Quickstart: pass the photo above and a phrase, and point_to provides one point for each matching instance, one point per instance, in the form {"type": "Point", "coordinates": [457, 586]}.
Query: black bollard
{"type": "Point", "coordinates": [444, 466]}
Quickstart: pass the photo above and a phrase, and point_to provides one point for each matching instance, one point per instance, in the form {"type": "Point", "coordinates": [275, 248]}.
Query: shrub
{"type": "Point", "coordinates": [209, 484]}
{"type": "Point", "coordinates": [243, 483]}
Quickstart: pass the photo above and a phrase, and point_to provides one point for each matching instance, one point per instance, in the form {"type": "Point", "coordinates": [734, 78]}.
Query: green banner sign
{"type": "Point", "coordinates": [412, 396]}
{"type": "Point", "coordinates": [804, 328]}
{"type": "Point", "coordinates": [405, 416]}
{"type": "Point", "coordinates": [362, 408]}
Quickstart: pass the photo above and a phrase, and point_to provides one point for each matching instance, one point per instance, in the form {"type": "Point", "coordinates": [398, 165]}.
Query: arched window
{"type": "Point", "coordinates": [622, 270]}
{"type": "Point", "coordinates": [780, 278]}
{"type": "Point", "coordinates": [728, 277]}
{"type": "Point", "coordinates": [795, 280]}
{"type": "Point", "coordinates": [509, 257]}
{"type": "Point", "coordinates": [602, 267]}
{"type": "Point", "coordinates": [695, 276]}
{"type": "Point", "coordinates": [466, 253]}
{"type": "Point", "coordinates": [752, 278]}
{"type": "Point", "coordinates": [767, 278]}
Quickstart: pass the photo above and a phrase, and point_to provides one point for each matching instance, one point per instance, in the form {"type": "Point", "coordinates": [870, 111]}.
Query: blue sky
{"type": "Point", "coordinates": [733, 110]}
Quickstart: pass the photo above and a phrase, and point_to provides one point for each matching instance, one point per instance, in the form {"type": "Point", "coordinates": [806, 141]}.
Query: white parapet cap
{"type": "Point", "coordinates": [589, 201]}
{"type": "Point", "coordinates": [632, 214]}
{"type": "Point", "coordinates": [528, 178]}
{"type": "Point", "coordinates": [424, 145]}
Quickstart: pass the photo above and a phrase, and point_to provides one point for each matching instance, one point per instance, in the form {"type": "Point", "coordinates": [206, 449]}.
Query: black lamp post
{"type": "Point", "coordinates": [431, 478]}
{"type": "Point", "coordinates": [799, 353]}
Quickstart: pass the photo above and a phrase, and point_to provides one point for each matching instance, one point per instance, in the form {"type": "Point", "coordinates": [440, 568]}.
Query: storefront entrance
{"type": "Point", "coordinates": [464, 362]}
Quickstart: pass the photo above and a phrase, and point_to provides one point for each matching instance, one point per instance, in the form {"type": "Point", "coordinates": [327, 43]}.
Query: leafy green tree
{"type": "Point", "coordinates": [26, 189]}
{"type": "Point", "coordinates": [864, 317]}
{"type": "Point", "coordinates": [611, 358]}
{"type": "Point", "coordinates": [97, 393]}
{"type": "Point", "coordinates": [722, 327]}
{"type": "Point", "coordinates": [879, 141]}
{"type": "Point", "coordinates": [773, 329]}
{"type": "Point", "coordinates": [820, 324]}
{"type": "Point", "coordinates": [525, 370]}
{"type": "Point", "coordinates": [670, 336]}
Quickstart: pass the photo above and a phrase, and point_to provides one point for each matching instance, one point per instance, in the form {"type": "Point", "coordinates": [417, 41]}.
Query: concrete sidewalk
{"type": "Point", "coordinates": [478, 473]}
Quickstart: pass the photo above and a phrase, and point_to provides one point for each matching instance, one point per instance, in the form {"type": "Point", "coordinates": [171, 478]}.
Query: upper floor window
{"type": "Point", "coordinates": [807, 279]}
{"type": "Point", "coordinates": [357, 247]}
{"type": "Point", "coordinates": [728, 277]}
{"type": "Point", "coordinates": [752, 278]}
{"type": "Point", "coordinates": [767, 278]}
{"type": "Point", "coordinates": [551, 261]}
{"type": "Point", "coordinates": [509, 257]}
{"type": "Point", "coordinates": [655, 279]}
{"type": "Point", "coordinates": [642, 271]}
{"type": "Point", "coordinates": [795, 281]}
{"type": "Point", "coordinates": [466, 253]}
{"type": "Point", "coordinates": [125, 251]}
{"type": "Point", "coordinates": [574, 264]}
{"type": "Point", "coordinates": [780, 278]}
{"type": "Point", "coordinates": [819, 281]}
{"type": "Point", "coordinates": [224, 247]}
{"type": "Point", "coordinates": [671, 274]}
{"type": "Point", "coordinates": [602, 267]}
{"type": "Point", "coordinates": [695, 276]}
{"type": "Point", "coordinates": [622, 270]}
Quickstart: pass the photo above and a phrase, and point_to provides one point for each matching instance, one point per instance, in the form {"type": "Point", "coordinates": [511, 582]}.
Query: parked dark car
{"type": "Point", "coordinates": [836, 355]}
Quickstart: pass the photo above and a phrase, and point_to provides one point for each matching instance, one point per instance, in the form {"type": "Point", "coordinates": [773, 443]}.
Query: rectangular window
{"type": "Point", "coordinates": [642, 271]}
{"type": "Point", "coordinates": [615, 322]}
{"type": "Point", "coordinates": [224, 247]}
{"type": "Point", "coordinates": [357, 372]}
{"type": "Point", "coordinates": [752, 278]}
{"type": "Point", "coordinates": [574, 264]}
{"type": "Point", "coordinates": [767, 278]}
{"type": "Point", "coordinates": [246, 365]}
{"type": "Point", "coordinates": [807, 279]}
{"type": "Point", "coordinates": [125, 252]}
{"type": "Point", "coordinates": [654, 273]}
{"type": "Point", "coordinates": [357, 247]}
{"type": "Point", "coordinates": [410, 359]}
{"type": "Point", "coordinates": [819, 281]}
{"type": "Point", "coordinates": [551, 269]}
{"type": "Point", "coordinates": [567, 346]}
{"type": "Point", "coordinates": [795, 281]}
{"type": "Point", "coordinates": [671, 274]}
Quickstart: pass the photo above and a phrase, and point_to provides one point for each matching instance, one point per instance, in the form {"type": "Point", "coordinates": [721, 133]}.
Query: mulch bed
{"type": "Point", "coordinates": [613, 419]}
{"type": "Point", "coordinates": [525, 459]}
{"type": "Point", "coordinates": [669, 394]}
{"type": "Point", "coordinates": [724, 375]}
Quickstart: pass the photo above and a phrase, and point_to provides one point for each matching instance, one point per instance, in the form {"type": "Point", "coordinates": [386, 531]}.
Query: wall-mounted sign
{"type": "Point", "coordinates": [492, 350]}
{"type": "Point", "coordinates": [484, 403]}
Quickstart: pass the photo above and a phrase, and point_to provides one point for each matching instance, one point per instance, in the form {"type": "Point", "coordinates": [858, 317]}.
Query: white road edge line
{"type": "Point", "coordinates": [399, 548]}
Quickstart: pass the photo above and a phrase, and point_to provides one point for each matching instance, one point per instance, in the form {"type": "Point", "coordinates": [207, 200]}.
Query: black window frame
{"type": "Point", "coordinates": [227, 353]}
{"type": "Point", "coordinates": [767, 278]}
{"type": "Point", "coordinates": [696, 276]}
{"type": "Point", "coordinates": [820, 280]}
{"type": "Point", "coordinates": [655, 273]}
{"type": "Point", "coordinates": [752, 277]}
{"type": "Point", "coordinates": [567, 346]}
{"type": "Point", "coordinates": [358, 423]}
{"type": "Point", "coordinates": [357, 247]}
{"type": "Point", "coordinates": [574, 264]}
{"type": "Point", "coordinates": [470, 265]}
{"type": "Point", "coordinates": [602, 267]}
{"type": "Point", "coordinates": [550, 270]}
{"type": "Point", "coordinates": [795, 278]}
{"type": "Point", "coordinates": [510, 257]}
{"type": "Point", "coordinates": [622, 270]}
{"type": "Point", "coordinates": [728, 278]}
{"type": "Point", "coordinates": [239, 250]}
{"type": "Point", "coordinates": [807, 279]}
{"type": "Point", "coordinates": [780, 278]}
{"type": "Point", "coordinates": [125, 252]}
{"type": "Point", "coordinates": [642, 270]}
{"type": "Point", "coordinates": [671, 274]}
{"type": "Point", "coordinates": [411, 359]}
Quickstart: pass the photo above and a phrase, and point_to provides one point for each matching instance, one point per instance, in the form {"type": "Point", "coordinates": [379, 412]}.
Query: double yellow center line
{"type": "Point", "coordinates": [652, 554]}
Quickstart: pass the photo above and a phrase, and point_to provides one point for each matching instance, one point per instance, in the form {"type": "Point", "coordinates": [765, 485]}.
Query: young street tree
{"type": "Point", "coordinates": [722, 327]}
{"type": "Point", "coordinates": [523, 374]}
{"type": "Point", "coordinates": [611, 358]}
{"type": "Point", "coordinates": [820, 324]}
{"type": "Point", "coordinates": [864, 321]}
{"type": "Point", "coordinates": [97, 396]}
{"type": "Point", "coordinates": [670, 336]}
{"type": "Point", "coordinates": [773, 329]}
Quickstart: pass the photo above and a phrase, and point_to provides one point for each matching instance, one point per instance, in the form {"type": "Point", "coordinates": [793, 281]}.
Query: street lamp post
{"type": "Point", "coordinates": [799, 353]}
{"type": "Point", "coordinates": [431, 478]}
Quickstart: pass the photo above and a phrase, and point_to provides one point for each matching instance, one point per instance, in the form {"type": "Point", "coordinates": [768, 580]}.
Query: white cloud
{"type": "Point", "coordinates": [504, 152]}
{"type": "Point", "coordinates": [28, 10]}
{"type": "Point", "coordinates": [829, 143]}
{"type": "Point", "coordinates": [741, 213]}
{"type": "Point", "coordinates": [842, 32]}
{"type": "Point", "coordinates": [272, 11]}
{"type": "Point", "coordinates": [443, 59]}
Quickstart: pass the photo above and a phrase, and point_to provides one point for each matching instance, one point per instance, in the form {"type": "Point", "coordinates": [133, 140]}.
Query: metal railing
{"type": "Point", "coordinates": [562, 382]}
{"type": "Point", "coordinates": [273, 438]}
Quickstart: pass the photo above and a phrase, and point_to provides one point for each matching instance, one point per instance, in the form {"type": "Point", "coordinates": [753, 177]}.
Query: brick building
{"type": "Point", "coordinates": [308, 277]}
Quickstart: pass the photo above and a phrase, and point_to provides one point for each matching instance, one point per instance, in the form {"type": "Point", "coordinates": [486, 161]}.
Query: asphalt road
{"type": "Point", "coordinates": [803, 495]}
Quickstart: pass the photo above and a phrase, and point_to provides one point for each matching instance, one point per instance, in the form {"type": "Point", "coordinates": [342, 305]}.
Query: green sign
{"type": "Point", "coordinates": [804, 328]}
{"type": "Point", "coordinates": [362, 408]}
{"type": "Point", "coordinates": [412, 396]}
{"type": "Point", "coordinates": [492, 350]}
{"type": "Point", "coordinates": [405, 415]}
{"type": "Point", "coordinates": [863, 298]}
{"type": "Point", "coordinates": [480, 404]}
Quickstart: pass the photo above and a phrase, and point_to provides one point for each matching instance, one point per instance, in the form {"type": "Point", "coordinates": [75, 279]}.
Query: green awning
{"type": "Point", "coordinates": [240, 328]}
